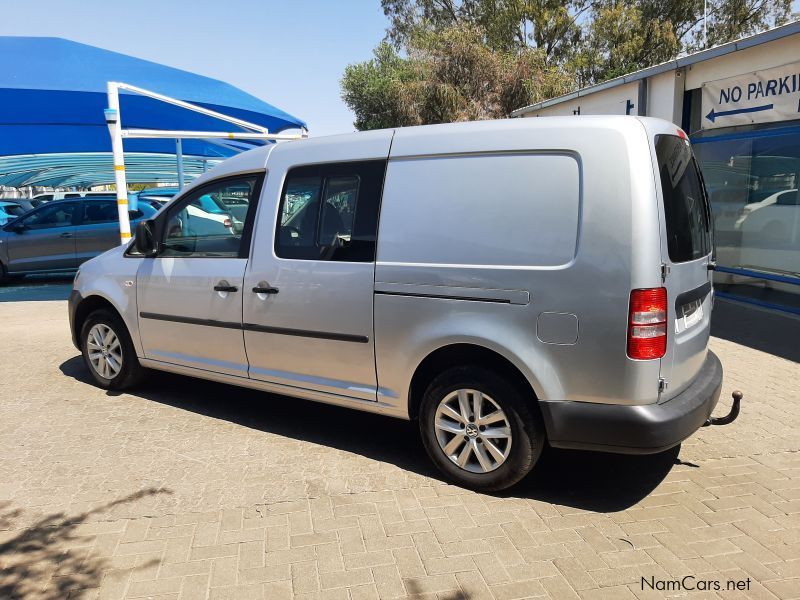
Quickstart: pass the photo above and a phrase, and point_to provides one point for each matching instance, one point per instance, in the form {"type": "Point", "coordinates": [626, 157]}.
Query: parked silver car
{"type": "Point", "coordinates": [506, 283]}
{"type": "Point", "coordinates": [62, 234]}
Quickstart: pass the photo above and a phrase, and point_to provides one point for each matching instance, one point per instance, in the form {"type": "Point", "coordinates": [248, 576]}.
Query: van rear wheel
{"type": "Point", "coordinates": [480, 429]}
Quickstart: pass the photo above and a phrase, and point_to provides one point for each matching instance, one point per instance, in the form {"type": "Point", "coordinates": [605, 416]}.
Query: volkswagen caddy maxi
{"type": "Point", "coordinates": [505, 283]}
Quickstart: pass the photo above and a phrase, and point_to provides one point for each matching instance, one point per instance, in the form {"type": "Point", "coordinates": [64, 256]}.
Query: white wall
{"type": "Point", "coordinates": [665, 96]}
{"type": "Point", "coordinates": [765, 56]}
{"type": "Point", "coordinates": [606, 102]}
{"type": "Point", "coordinates": [665, 90]}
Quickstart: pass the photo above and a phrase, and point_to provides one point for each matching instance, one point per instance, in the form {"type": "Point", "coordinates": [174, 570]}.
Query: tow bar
{"type": "Point", "coordinates": [731, 416]}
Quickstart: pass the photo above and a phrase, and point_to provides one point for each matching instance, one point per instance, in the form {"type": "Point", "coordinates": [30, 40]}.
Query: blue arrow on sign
{"type": "Point", "coordinates": [712, 116]}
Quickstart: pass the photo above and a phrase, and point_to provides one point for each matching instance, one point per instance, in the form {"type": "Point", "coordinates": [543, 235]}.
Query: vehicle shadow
{"type": "Point", "coordinates": [596, 481]}
{"type": "Point", "coordinates": [49, 559]}
{"type": "Point", "coordinates": [767, 331]}
{"type": "Point", "coordinates": [586, 480]}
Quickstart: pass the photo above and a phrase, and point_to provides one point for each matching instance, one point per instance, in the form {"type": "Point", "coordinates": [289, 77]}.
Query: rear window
{"type": "Point", "coordinates": [685, 204]}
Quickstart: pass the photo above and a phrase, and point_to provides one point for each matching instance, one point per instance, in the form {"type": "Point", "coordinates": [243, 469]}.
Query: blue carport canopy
{"type": "Point", "coordinates": [53, 92]}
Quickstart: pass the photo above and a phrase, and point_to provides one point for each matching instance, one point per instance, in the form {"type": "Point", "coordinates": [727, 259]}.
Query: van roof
{"type": "Point", "coordinates": [429, 136]}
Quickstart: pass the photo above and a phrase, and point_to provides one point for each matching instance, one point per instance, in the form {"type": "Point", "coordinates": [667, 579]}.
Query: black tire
{"type": "Point", "coordinates": [522, 415]}
{"type": "Point", "coordinates": [6, 277]}
{"type": "Point", "coordinates": [131, 371]}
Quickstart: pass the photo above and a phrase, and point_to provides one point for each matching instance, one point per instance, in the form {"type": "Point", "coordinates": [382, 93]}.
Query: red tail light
{"type": "Point", "coordinates": [647, 324]}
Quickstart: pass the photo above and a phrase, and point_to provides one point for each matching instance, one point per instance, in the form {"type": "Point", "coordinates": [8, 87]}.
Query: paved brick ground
{"type": "Point", "coordinates": [187, 489]}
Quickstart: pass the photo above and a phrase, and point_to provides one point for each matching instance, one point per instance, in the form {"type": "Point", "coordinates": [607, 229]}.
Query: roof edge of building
{"type": "Point", "coordinates": [769, 35]}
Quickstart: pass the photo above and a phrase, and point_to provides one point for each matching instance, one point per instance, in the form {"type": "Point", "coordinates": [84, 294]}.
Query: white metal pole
{"type": "Point", "coordinates": [179, 157]}
{"type": "Point", "coordinates": [231, 135]}
{"type": "Point", "coordinates": [705, 28]}
{"type": "Point", "coordinates": [193, 107]}
{"type": "Point", "coordinates": [114, 128]}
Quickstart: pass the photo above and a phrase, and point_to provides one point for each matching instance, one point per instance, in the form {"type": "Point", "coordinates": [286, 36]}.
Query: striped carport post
{"type": "Point", "coordinates": [112, 119]}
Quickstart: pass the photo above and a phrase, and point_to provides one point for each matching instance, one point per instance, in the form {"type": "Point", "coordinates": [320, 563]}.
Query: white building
{"type": "Point", "coordinates": [740, 105]}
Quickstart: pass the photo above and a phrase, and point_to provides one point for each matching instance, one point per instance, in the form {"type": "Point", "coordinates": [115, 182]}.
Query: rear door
{"type": "Point", "coordinates": [686, 249]}
{"type": "Point", "coordinates": [97, 229]}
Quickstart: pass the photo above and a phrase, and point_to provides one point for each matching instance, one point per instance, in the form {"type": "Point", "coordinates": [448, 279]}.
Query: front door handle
{"type": "Point", "coordinates": [223, 286]}
{"type": "Point", "coordinates": [66, 234]}
{"type": "Point", "coordinates": [265, 289]}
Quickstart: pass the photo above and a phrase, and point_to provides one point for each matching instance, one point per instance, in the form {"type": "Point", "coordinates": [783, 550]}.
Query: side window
{"type": "Point", "coordinates": [338, 210]}
{"type": "Point", "coordinates": [330, 212]}
{"type": "Point", "coordinates": [211, 221]}
{"type": "Point", "coordinates": [54, 215]}
{"type": "Point", "coordinates": [95, 212]}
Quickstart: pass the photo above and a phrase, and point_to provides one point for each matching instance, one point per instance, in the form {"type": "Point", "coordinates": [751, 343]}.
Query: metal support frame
{"type": "Point", "coordinates": [114, 121]}
{"type": "Point", "coordinates": [179, 155]}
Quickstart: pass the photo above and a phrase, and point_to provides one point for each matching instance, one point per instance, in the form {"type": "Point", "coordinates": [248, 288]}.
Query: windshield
{"type": "Point", "coordinates": [685, 204]}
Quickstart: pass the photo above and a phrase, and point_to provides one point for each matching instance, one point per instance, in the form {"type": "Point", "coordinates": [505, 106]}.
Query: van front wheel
{"type": "Point", "coordinates": [108, 351]}
{"type": "Point", "coordinates": [479, 429]}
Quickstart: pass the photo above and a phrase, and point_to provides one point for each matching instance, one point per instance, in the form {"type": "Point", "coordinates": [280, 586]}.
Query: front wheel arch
{"type": "Point", "coordinates": [86, 307]}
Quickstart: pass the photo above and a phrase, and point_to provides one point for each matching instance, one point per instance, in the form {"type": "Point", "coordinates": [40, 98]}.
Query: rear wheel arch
{"type": "Point", "coordinates": [459, 355]}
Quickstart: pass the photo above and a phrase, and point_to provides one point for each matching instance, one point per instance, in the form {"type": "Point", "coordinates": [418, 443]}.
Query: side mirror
{"type": "Point", "coordinates": [145, 239]}
{"type": "Point", "coordinates": [17, 227]}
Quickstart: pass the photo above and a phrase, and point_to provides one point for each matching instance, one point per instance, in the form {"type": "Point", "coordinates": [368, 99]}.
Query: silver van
{"type": "Point", "coordinates": [505, 283]}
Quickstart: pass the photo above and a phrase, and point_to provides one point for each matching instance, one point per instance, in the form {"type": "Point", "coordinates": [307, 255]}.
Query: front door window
{"type": "Point", "coordinates": [211, 221]}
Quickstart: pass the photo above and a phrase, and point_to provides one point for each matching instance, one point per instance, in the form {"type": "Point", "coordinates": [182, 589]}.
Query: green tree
{"type": "Point", "coordinates": [447, 75]}
{"type": "Point", "coordinates": [550, 25]}
{"type": "Point", "coordinates": [624, 36]}
{"type": "Point", "coordinates": [447, 60]}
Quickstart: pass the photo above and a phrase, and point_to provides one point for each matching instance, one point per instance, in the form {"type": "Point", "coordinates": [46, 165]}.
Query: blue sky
{"type": "Point", "coordinates": [289, 53]}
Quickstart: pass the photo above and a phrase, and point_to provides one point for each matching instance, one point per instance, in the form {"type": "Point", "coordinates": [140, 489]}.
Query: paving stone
{"type": "Point", "coordinates": [187, 489]}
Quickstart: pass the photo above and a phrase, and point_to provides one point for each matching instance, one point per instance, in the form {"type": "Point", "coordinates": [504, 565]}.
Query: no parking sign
{"type": "Point", "coordinates": [759, 97]}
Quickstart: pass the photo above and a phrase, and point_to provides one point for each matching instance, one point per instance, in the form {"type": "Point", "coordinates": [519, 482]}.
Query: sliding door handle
{"type": "Point", "coordinates": [265, 289]}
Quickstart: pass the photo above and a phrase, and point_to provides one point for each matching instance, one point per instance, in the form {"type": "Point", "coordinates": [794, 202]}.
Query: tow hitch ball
{"type": "Point", "coordinates": [731, 416]}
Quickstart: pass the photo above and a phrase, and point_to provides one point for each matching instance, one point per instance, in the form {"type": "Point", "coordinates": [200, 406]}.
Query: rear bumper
{"type": "Point", "coordinates": [635, 429]}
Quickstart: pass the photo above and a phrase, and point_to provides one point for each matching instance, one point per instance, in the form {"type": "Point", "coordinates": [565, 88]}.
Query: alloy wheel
{"type": "Point", "coordinates": [105, 351]}
{"type": "Point", "coordinates": [473, 431]}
